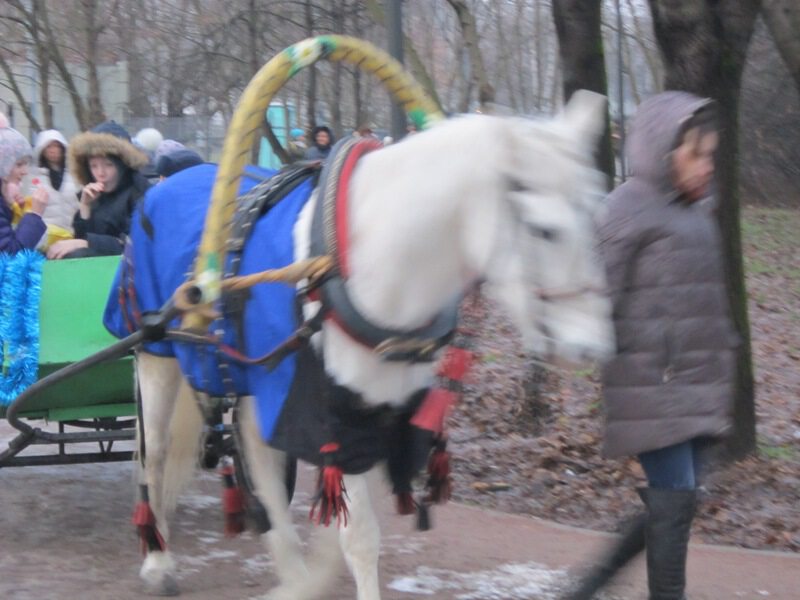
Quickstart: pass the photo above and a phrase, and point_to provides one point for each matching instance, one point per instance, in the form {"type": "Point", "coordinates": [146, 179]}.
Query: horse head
{"type": "Point", "coordinates": [544, 266]}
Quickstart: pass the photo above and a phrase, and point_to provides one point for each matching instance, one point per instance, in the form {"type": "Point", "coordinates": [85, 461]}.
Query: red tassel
{"type": "Point", "coordinates": [434, 409]}
{"type": "Point", "coordinates": [145, 521]}
{"type": "Point", "coordinates": [330, 499]}
{"type": "Point", "coordinates": [439, 483]}
{"type": "Point", "coordinates": [456, 363]}
{"type": "Point", "coordinates": [232, 503]}
{"type": "Point", "coordinates": [405, 503]}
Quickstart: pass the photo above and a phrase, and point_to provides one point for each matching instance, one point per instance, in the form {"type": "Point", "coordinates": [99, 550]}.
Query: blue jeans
{"type": "Point", "coordinates": [675, 467]}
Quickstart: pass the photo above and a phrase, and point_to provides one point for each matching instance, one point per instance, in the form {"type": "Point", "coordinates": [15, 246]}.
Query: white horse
{"type": "Point", "coordinates": [507, 201]}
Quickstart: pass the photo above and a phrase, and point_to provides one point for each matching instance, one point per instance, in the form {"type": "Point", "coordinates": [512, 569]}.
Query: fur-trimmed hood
{"type": "Point", "coordinates": [88, 144]}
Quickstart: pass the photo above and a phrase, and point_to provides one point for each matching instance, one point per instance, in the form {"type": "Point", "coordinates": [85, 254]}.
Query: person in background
{"type": "Point", "coordinates": [365, 131]}
{"type": "Point", "coordinates": [15, 155]}
{"type": "Point", "coordinates": [297, 146]}
{"type": "Point", "coordinates": [323, 142]}
{"type": "Point", "coordinates": [51, 173]}
{"type": "Point", "coordinates": [176, 161]}
{"type": "Point", "coordinates": [107, 164]}
{"type": "Point", "coordinates": [147, 140]}
{"type": "Point", "coordinates": [669, 390]}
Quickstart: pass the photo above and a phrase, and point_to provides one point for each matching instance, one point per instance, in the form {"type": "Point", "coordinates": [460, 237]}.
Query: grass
{"type": "Point", "coordinates": [771, 242]}
{"type": "Point", "coordinates": [784, 452]}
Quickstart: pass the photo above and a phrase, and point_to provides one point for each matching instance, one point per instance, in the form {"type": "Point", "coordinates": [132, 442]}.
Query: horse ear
{"type": "Point", "coordinates": [585, 113]}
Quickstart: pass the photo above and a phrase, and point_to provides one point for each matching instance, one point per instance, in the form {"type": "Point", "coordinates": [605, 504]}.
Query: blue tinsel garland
{"type": "Point", "coordinates": [20, 292]}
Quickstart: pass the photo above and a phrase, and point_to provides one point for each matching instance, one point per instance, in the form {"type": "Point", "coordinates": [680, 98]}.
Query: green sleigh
{"type": "Point", "coordinates": [95, 406]}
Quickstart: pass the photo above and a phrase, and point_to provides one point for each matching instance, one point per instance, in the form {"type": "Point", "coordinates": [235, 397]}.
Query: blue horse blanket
{"type": "Point", "coordinates": [165, 234]}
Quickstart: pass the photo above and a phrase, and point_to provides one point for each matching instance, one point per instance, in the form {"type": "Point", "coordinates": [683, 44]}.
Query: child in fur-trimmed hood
{"type": "Point", "coordinates": [106, 163]}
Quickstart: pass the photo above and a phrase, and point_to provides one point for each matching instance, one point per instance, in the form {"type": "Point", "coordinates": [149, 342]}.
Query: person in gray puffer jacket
{"type": "Point", "coordinates": [669, 389]}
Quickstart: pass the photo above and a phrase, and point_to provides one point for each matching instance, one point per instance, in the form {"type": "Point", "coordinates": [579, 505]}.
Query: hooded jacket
{"type": "Point", "coordinates": [672, 378]}
{"type": "Point", "coordinates": [62, 201]}
{"type": "Point", "coordinates": [109, 222]}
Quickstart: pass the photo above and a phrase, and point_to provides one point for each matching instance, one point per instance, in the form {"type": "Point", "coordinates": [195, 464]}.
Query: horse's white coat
{"type": "Point", "coordinates": [505, 200]}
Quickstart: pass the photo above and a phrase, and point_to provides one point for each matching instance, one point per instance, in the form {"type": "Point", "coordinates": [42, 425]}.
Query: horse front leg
{"type": "Point", "coordinates": [267, 469]}
{"type": "Point", "coordinates": [360, 539]}
{"type": "Point", "coordinates": [162, 389]}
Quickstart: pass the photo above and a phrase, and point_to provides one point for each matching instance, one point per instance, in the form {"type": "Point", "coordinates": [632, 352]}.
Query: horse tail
{"type": "Point", "coordinates": [185, 437]}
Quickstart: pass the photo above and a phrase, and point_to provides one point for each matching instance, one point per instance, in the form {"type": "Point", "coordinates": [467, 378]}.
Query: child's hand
{"type": "Point", "coordinates": [91, 191]}
{"type": "Point", "coordinates": [15, 193]}
{"type": "Point", "coordinates": [39, 199]}
{"type": "Point", "coordinates": [61, 248]}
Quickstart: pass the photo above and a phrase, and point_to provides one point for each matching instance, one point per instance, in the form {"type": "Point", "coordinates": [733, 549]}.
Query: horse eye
{"type": "Point", "coordinates": [545, 233]}
{"type": "Point", "coordinates": [515, 185]}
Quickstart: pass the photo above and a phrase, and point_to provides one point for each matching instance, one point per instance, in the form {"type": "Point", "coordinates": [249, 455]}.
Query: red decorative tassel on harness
{"type": "Point", "coordinates": [150, 537]}
{"type": "Point", "coordinates": [439, 484]}
{"type": "Point", "coordinates": [330, 499]}
{"type": "Point", "coordinates": [405, 503]}
{"type": "Point", "coordinates": [433, 412]}
{"type": "Point", "coordinates": [439, 401]}
{"type": "Point", "coordinates": [232, 503]}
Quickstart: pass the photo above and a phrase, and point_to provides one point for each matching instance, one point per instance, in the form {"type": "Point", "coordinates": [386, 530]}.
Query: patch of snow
{"type": "Point", "coordinates": [199, 501]}
{"type": "Point", "coordinates": [402, 544]}
{"type": "Point", "coordinates": [257, 564]}
{"type": "Point", "coordinates": [526, 581]}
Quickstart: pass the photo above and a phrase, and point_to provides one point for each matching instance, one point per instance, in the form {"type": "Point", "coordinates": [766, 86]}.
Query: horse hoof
{"type": "Point", "coordinates": [156, 573]}
{"type": "Point", "coordinates": [166, 586]}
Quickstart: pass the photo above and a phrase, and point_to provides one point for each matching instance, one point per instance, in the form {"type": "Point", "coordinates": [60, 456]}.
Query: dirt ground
{"type": "Point", "coordinates": [65, 533]}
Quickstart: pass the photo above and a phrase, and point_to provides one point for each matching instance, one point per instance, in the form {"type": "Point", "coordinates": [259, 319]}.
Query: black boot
{"type": "Point", "coordinates": [622, 551]}
{"type": "Point", "coordinates": [669, 521]}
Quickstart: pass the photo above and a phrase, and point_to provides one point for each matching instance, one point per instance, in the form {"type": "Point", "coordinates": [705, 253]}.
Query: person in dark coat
{"type": "Point", "coordinates": [107, 164]}
{"type": "Point", "coordinates": [176, 161]}
{"type": "Point", "coordinates": [322, 139]}
{"type": "Point", "coordinates": [669, 390]}
{"type": "Point", "coordinates": [15, 156]}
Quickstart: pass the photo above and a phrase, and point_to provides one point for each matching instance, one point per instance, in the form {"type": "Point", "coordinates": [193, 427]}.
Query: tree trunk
{"type": "Point", "coordinates": [93, 30]}
{"type": "Point", "coordinates": [21, 100]}
{"type": "Point", "coordinates": [336, 105]}
{"type": "Point", "coordinates": [783, 20]}
{"type": "Point", "coordinates": [311, 94]}
{"type": "Point", "coordinates": [704, 45]}
{"type": "Point", "coordinates": [43, 60]}
{"type": "Point", "coordinates": [416, 66]}
{"type": "Point", "coordinates": [580, 44]}
{"type": "Point", "coordinates": [469, 31]}
{"type": "Point", "coordinates": [54, 51]}
{"type": "Point", "coordinates": [138, 103]}
{"type": "Point", "coordinates": [644, 44]}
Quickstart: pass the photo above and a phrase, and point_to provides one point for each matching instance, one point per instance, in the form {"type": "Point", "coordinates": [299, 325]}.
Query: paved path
{"type": "Point", "coordinates": [65, 533]}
